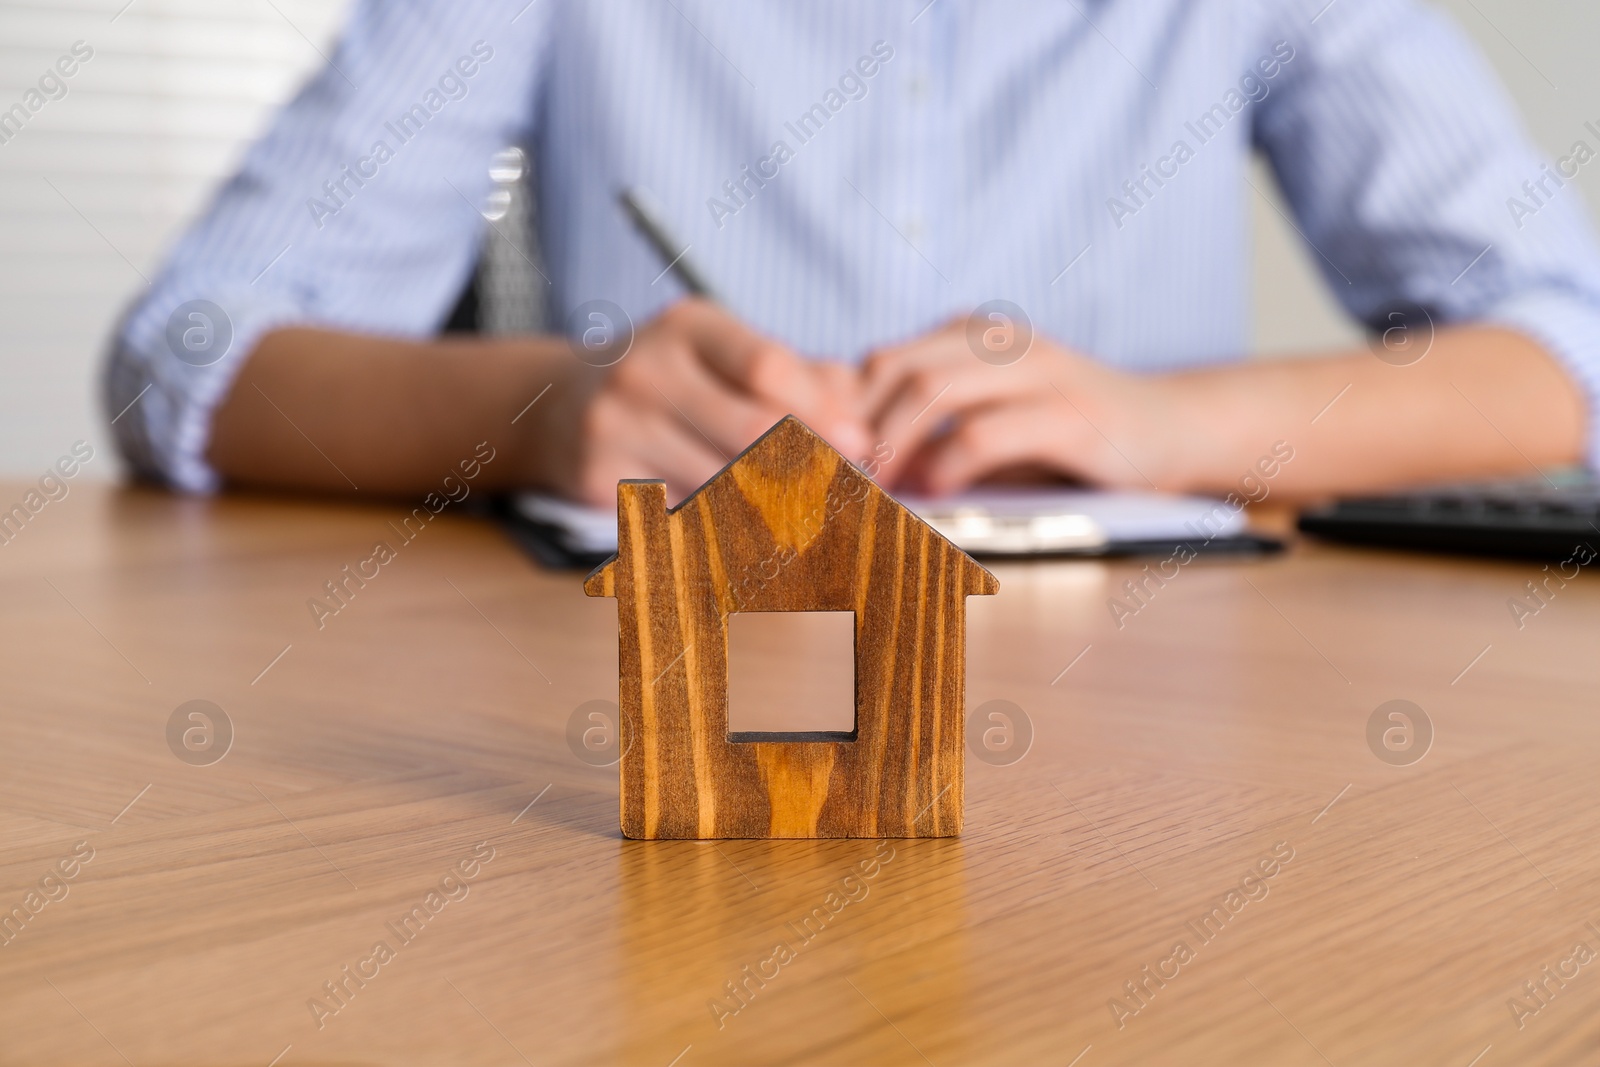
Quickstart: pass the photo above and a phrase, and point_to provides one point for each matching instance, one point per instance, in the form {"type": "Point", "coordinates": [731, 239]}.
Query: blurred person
{"type": "Point", "coordinates": [856, 179]}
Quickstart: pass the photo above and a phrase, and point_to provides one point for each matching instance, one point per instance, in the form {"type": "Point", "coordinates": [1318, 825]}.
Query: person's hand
{"type": "Point", "coordinates": [953, 419]}
{"type": "Point", "coordinates": [694, 390]}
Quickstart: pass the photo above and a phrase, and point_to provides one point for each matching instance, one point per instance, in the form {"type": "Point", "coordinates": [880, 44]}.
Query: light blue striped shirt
{"type": "Point", "coordinates": [849, 174]}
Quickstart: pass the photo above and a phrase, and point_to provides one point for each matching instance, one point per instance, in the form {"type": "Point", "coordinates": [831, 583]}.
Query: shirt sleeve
{"type": "Point", "coordinates": [357, 210]}
{"type": "Point", "coordinates": [1409, 173]}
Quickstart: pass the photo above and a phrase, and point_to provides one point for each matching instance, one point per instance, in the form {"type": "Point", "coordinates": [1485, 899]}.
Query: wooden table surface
{"type": "Point", "coordinates": [421, 733]}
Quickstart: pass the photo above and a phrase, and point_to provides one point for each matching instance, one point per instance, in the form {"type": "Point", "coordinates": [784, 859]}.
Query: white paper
{"type": "Point", "coordinates": [992, 521]}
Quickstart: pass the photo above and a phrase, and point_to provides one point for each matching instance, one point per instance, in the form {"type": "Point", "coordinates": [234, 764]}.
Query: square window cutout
{"type": "Point", "coordinates": [792, 676]}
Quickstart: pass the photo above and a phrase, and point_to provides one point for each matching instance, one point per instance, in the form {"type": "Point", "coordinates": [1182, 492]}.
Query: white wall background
{"type": "Point", "coordinates": [99, 182]}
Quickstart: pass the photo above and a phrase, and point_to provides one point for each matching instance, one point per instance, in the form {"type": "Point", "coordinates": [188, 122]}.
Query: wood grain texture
{"type": "Point", "coordinates": [788, 525]}
{"type": "Point", "coordinates": [1166, 763]}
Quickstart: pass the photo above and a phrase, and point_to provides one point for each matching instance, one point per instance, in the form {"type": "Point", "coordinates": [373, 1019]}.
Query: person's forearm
{"type": "Point", "coordinates": [1483, 401]}
{"type": "Point", "coordinates": [334, 412]}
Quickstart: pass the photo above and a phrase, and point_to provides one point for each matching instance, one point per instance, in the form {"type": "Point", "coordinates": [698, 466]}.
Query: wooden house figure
{"type": "Point", "coordinates": [789, 525]}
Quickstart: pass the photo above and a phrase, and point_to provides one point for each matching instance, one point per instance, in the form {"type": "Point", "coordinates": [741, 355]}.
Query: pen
{"type": "Point", "coordinates": [645, 215]}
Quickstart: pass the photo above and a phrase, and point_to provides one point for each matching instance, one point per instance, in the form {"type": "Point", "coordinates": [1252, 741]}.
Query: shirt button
{"type": "Point", "coordinates": [915, 229]}
{"type": "Point", "coordinates": [916, 88]}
